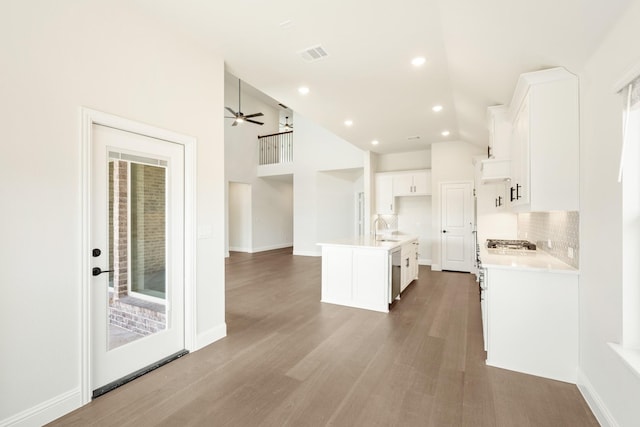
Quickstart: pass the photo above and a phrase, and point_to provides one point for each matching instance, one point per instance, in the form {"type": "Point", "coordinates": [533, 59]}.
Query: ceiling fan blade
{"type": "Point", "coordinates": [253, 121]}
{"type": "Point", "coordinates": [230, 117]}
{"type": "Point", "coordinates": [231, 111]}
{"type": "Point", "coordinates": [254, 115]}
{"type": "Point", "coordinates": [235, 123]}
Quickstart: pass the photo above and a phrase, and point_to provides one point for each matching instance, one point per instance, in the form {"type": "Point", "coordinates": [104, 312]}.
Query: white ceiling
{"type": "Point", "coordinates": [475, 50]}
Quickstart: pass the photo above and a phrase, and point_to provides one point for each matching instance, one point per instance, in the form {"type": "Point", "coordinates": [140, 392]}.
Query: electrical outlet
{"type": "Point", "coordinates": [570, 252]}
{"type": "Point", "coordinates": [549, 244]}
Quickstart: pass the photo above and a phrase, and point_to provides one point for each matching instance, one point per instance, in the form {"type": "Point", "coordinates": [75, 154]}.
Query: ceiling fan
{"type": "Point", "coordinates": [239, 116]}
{"type": "Point", "coordinates": [287, 127]}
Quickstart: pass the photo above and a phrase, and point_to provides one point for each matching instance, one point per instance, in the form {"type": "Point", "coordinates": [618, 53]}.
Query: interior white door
{"type": "Point", "coordinates": [137, 236]}
{"type": "Point", "coordinates": [456, 218]}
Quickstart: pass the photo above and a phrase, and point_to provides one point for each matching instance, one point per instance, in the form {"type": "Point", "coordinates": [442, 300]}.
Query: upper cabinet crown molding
{"type": "Point", "coordinates": [527, 80]}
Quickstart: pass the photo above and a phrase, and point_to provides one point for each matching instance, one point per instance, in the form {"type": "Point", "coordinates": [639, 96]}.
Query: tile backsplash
{"type": "Point", "coordinates": [561, 228]}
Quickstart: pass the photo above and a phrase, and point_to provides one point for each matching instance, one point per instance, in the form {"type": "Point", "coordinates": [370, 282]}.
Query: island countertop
{"type": "Point", "coordinates": [385, 242]}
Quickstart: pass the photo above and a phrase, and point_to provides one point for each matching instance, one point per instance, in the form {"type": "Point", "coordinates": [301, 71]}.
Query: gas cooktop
{"type": "Point", "coordinates": [511, 244]}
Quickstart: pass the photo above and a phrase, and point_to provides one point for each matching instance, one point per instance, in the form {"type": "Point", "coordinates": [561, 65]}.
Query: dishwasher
{"type": "Point", "coordinates": [396, 274]}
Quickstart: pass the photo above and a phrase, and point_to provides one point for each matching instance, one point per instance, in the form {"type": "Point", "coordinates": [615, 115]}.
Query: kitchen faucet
{"type": "Point", "coordinates": [375, 226]}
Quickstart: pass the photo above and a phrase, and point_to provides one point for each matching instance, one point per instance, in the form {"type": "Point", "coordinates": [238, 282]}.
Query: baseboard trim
{"type": "Point", "coordinates": [424, 261]}
{"type": "Point", "coordinates": [595, 402]}
{"type": "Point", "coordinates": [46, 412]}
{"type": "Point", "coordinates": [212, 335]}
{"type": "Point", "coordinates": [260, 249]}
{"type": "Point", "coordinates": [436, 267]}
{"type": "Point", "coordinates": [271, 247]}
{"type": "Point", "coordinates": [306, 253]}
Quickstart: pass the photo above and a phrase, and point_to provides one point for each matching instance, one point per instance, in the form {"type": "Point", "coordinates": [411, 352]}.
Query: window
{"type": "Point", "coordinates": [630, 178]}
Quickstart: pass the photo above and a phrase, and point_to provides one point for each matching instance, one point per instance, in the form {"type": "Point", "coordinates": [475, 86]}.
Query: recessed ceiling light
{"type": "Point", "coordinates": [375, 142]}
{"type": "Point", "coordinates": [303, 90]}
{"type": "Point", "coordinates": [418, 61]}
{"type": "Point", "coordinates": [445, 133]}
{"type": "Point", "coordinates": [348, 122]}
{"type": "Point", "coordinates": [437, 108]}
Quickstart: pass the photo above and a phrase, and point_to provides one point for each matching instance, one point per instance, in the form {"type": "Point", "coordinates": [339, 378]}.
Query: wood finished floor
{"type": "Point", "coordinates": [289, 360]}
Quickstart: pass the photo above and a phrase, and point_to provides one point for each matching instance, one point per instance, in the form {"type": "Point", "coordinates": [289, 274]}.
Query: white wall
{"type": "Point", "coordinates": [239, 217]}
{"type": "Point", "coordinates": [271, 214]}
{"type": "Point", "coordinates": [450, 161]}
{"type": "Point", "coordinates": [56, 57]}
{"type": "Point", "coordinates": [336, 215]}
{"type": "Point", "coordinates": [415, 218]}
{"type": "Point", "coordinates": [604, 376]}
{"type": "Point", "coordinates": [317, 150]}
{"type": "Point", "coordinates": [404, 161]}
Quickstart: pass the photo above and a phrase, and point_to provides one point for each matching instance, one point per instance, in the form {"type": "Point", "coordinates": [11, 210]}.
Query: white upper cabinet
{"type": "Point", "coordinates": [498, 166]}
{"type": "Point", "coordinates": [412, 183]}
{"type": "Point", "coordinates": [385, 201]}
{"type": "Point", "coordinates": [390, 185]}
{"type": "Point", "coordinates": [545, 142]}
{"type": "Point", "coordinates": [499, 131]}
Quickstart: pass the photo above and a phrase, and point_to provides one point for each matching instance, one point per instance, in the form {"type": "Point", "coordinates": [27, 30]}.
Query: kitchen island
{"type": "Point", "coordinates": [368, 272]}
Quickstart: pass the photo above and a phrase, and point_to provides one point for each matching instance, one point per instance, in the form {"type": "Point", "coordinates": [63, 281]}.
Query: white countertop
{"type": "Point", "coordinates": [525, 260]}
{"type": "Point", "coordinates": [383, 242]}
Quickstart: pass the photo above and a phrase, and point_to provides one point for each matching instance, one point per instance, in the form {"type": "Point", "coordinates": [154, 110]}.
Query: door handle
{"type": "Point", "coordinates": [96, 271]}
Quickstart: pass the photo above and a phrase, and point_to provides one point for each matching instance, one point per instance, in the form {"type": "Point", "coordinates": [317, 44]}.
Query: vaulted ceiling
{"type": "Point", "coordinates": [474, 51]}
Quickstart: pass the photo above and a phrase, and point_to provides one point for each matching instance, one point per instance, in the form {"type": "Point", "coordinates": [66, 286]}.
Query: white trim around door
{"type": "Point", "coordinates": [90, 117]}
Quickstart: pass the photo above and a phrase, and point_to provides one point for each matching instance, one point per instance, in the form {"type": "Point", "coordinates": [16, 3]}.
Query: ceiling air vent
{"type": "Point", "coordinates": [313, 53]}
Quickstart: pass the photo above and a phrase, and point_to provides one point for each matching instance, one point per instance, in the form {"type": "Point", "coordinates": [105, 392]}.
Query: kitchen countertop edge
{"type": "Point", "coordinates": [538, 261]}
{"type": "Point", "coordinates": [369, 242]}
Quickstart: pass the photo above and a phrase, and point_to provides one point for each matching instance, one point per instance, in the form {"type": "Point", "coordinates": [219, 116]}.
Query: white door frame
{"type": "Point", "coordinates": [90, 117]}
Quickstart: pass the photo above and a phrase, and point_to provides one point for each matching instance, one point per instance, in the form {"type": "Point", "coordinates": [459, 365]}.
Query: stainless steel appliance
{"type": "Point", "coordinates": [510, 244]}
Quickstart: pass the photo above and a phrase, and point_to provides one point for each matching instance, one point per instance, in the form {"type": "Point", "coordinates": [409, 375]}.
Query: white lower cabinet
{"type": "Point", "coordinates": [409, 270]}
{"type": "Point", "coordinates": [532, 322]}
{"type": "Point", "coordinates": [356, 277]}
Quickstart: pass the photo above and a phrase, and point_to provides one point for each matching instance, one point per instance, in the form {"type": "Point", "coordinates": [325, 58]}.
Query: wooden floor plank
{"type": "Point", "coordinates": [290, 360]}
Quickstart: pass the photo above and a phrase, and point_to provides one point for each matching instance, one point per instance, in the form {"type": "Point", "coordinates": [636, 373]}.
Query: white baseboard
{"type": "Point", "coordinates": [424, 261]}
{"type": "Point", "coordinates": [307, 253]}
{"type": "Point", "coordinates": [46, 412]}
{"type": "Point", "coordinates": [436, 267]}
{"type": "Point", "coordinates": [599, 409]}
{"type": "Point", "coordinates": [212, 335]}
{"type": "Point", "coordinates": [260, 249]}
{"type": "Point", "coordinates": [271, 247]}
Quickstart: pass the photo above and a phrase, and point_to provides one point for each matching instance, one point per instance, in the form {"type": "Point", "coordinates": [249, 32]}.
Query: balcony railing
{"type": "Point", "coordinates": [275, 148]}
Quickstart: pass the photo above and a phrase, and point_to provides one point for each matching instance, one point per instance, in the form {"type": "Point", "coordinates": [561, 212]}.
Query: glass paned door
{"type": "Point", "coordinates": [138, 229]}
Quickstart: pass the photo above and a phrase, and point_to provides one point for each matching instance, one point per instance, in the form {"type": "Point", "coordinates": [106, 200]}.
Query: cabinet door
{"type": "Point", "coordinates": [519, 191]}
{"type": "Point", "coordinates": [422, 183]}
{"type": "Point", "coordinates": [384, 194]}
{"type": "Point", "coordinates": [403, 184]}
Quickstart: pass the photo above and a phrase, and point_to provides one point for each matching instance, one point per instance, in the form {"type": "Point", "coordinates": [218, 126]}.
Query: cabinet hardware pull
{"type": "Point", "coordinates": [518, 186]}
{"type": "Point", "coordinates": [511, 196]}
